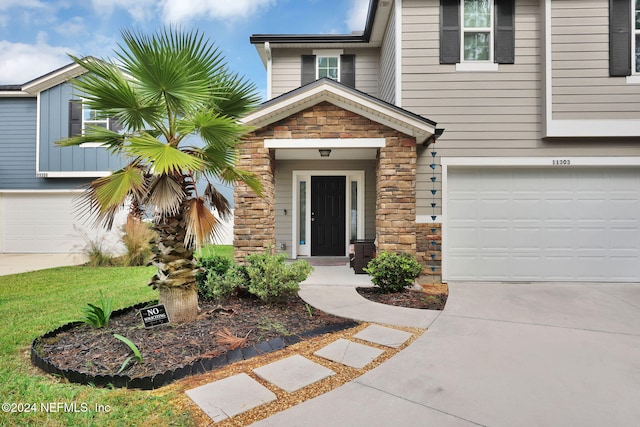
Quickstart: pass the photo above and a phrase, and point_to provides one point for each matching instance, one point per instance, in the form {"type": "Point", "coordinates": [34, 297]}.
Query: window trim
{"type": "Point", "coordinates": [328, 53]}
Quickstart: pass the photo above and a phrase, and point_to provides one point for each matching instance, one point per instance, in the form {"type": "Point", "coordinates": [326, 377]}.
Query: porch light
{"type": "Point", "coordinates": [324, 152]}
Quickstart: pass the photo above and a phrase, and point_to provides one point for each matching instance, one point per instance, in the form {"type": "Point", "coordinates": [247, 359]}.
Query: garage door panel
{"type": "Point", "coordinates": [544, 224]}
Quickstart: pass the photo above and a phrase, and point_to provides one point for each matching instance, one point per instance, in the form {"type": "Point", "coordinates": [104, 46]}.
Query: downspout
{"type": "Point", "coordinates": [398, 53]}
{"type": "Point", "coordinates": [267, 51]}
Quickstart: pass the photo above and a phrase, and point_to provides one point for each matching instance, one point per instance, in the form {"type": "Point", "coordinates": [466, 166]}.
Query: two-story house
{"type": "Point", "coordinates": [535, 107]}
{"type": "Point", "coordinates": [39, 181]}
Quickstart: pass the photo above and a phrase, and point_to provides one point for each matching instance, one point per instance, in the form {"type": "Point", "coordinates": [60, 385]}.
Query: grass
{"type": "Point", "coordinates": [32, 304]}
{"type": "Point", "coordinates": [210, 250]}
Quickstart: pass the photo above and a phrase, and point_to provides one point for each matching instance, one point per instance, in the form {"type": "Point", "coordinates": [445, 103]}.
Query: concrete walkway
{"type": "Point", "coordinates": [499, 355]}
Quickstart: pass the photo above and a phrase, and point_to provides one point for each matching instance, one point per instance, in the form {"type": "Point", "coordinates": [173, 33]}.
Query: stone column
{"type": "Point", "coordinates": [396, 195]}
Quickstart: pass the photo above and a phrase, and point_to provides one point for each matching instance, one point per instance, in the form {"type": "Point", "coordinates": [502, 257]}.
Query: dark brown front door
{"type": "Point", "coordinates": [328, 215]}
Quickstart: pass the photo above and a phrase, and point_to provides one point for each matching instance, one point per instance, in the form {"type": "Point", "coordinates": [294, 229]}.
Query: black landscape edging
{"type": "Point", "coordinates": [197, 367]}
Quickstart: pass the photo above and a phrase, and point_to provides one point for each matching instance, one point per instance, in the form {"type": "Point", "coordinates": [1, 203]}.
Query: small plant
{"type": "Point", "coordinates": [98, 316]}
{"type": "Point", "coordinates": [268, 325]}
{"type": "Point", "coordinates": [217, 264]}
{"type": "Point", "coordinates": [220, 288]}
{"type": "Point", "coordinates": [309, 309]}
{"type": "Point", "coordinates": [98, 255]}
{"type": "Point", "coordinates": [392, 272]}
{"type": "Point", "coordinates": [134, 349]}
{"type": "Point", "coordinates": [272, 280]}
{"type": "Point", "coordinates": [137, 239]}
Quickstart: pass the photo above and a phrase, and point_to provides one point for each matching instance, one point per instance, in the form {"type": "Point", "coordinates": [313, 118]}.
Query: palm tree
{"type": "Point", "coordinates": [163, 90]}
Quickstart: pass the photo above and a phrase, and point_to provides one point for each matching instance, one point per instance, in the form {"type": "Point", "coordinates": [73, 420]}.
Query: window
{"type": "Point", "coordinates": [336, 66]}
{"type": "Point", "coordinates": [483, 30]}
{"type": "Point", "coordinates": [477, 23]}
{"type": "Point", "coordinates": [90, 117]}
{"type": "Point", "coordinates": [624, 37]}
{"type": "Point", "coordinates": [328, 66]}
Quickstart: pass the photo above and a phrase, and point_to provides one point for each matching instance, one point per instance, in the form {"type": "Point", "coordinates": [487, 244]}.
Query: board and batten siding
{"type": "Point", "coordinates": [286, 69]}
{"type": "Point", "coordinates": [54, 125]}
{"type": "Point", "coordinates": [284, 193]}
{"type": "Point", "coordinates": [581, 86]}
{"type": "Point", "coordinates": [387, 89]}
{"type": "Point", "coordinates": [18, 148]}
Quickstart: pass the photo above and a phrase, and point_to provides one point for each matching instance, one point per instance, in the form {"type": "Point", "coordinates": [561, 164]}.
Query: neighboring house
{"type": "Point", "coordinates": [40, 181]}
{"type": "Point", "coordinates": [536, 178]}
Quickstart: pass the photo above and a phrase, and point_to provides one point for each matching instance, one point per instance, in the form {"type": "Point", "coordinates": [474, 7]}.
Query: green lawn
{"type": "Point", "coordinates": [32, 304]}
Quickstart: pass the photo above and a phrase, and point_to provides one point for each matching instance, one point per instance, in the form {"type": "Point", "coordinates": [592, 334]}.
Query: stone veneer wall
{"type": "Point", "coordinates": [429, 249]}
{"type": "Point", "coordinates": [254, 229]}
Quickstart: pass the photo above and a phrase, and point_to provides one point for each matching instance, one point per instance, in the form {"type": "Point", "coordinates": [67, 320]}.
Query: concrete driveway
{"type": "Point", "coordinates": [503, 355]}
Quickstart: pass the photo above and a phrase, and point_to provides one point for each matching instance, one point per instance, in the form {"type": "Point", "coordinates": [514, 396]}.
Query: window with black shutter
{"type": "Point", "coordinates": [620, 41]}
{"type": "Point", "coordinates": [477, 31]}
{"type": "Point", "coordinates": [341, 68]}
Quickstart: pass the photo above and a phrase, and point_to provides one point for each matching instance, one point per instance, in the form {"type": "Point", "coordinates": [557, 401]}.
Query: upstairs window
{"type": "Point", "coordinates": [333, 65]}
{"type": "Point", "coordinates": [91, 118]}
{"type": "Point", "coordinates": [81, 116]}
{"type": "Point", "coordinates": [482, 30]}
{"type": "Point", "coordinates": [477, 24]}
{"type": "Point", "coordinates": [636, 39]}
{"type": "Point", "coordinates": [624, 38]}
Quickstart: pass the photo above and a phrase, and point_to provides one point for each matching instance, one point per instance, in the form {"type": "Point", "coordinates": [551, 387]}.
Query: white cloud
{"type": "Point", "coordinates": [72, 27]}
{"type": "Point", "coordinates": [357, 15]}
{"type": "Point", "coordinates": [20, 62]}
{"type": "Point", "coordinates": [140, 10]}
{"type": "Point", "coordinates": [178, 11]}
{"type": "Point", "coordinates": [7, 4]}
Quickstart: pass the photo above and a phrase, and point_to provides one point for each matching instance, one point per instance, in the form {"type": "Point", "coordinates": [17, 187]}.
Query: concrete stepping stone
{"type": "Point", "coordinates": [381, 335]}
{"type": "Point", "coordinates": [293, 373]}
{"type": "Point", "coordinates": [349, 353]}
{"type": "Point", "coordinates": [231, 396]}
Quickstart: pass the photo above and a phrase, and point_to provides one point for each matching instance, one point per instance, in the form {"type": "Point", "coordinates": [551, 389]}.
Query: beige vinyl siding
{"type": "Point", "coordinates": [483, 113]}
{"type": "Point", "coordinates": [284, 193]}
{"type": "Point", "coordinates": [581, 86]}
{"type": "Point", "coordinates": [387, 62]}
{"type": "Point", "coordinates": [286, 69]}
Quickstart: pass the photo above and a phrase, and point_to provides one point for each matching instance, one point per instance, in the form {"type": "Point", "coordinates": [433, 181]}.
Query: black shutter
{"type": "Point", "coordinates": [308, 69]}
{"type": "Point", "coordinates": [75, 117]}
{"type": "Point", "coordinates": [114, 125]}
{"type": "Point", "coordinates": [348, 70]}
{"type": "Point", "coordinates": [619, 38]}
{"type": "Point", "coordinates": [449, 31]}
{"type": "Point", "coordinates": [504, 43]}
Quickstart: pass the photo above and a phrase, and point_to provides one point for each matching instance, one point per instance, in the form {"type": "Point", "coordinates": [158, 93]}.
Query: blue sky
{"type": "Point", "coordinates": [37, 35]}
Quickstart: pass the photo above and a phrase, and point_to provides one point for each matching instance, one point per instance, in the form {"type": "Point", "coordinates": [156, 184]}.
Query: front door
{"type": "Point", "coordinates": [328, 215]}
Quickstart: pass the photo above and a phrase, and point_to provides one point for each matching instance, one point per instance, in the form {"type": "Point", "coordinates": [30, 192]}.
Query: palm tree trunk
{"type": "Point", "coordinates": [177, 269]}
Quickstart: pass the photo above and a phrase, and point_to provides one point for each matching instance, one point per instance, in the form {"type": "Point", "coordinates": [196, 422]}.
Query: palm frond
{"type": "Point", "coordinates": [109, 139]}
{"type": "Point", "coordinates": [232, 174]}
{"type": "Point", "coordinates": [201, 223]}
{"type": "Point", "coordinates": [165, 195]}
{"type": "Point", "coordinates": [162, 158]}
{"type": "Point", "coordinates": [217, 201]}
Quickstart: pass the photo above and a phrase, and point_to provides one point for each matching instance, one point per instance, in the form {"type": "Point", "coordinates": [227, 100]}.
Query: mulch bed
{"type": "Point", "coordinates": [96, 352]}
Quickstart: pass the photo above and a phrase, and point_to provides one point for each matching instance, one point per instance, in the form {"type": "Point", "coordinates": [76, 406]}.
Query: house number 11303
{"type": "Point", "coordinates": [561, 162]}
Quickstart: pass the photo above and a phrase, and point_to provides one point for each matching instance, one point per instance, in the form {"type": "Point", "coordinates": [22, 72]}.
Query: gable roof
{"type": "Point", "coordinates": [348, 98]}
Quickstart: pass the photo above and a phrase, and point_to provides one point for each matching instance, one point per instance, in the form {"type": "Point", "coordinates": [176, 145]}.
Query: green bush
{"type": "Point", "coordinates": [273, 280]}
{"type": "Point", "coordinates": [392, 272]}
{"type": "Point", "coordinates": [221, 287]}
{"type": "Point", "coordinates": [217, 264]}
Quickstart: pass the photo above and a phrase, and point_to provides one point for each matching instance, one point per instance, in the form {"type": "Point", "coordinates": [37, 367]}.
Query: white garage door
{"type": "Point", "coordinates": [44, 223]}
{"type": "Point", "coordinates": [543, 224]}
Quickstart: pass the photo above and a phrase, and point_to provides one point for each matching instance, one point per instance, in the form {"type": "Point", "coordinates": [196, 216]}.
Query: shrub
{"type": "Point", "coordinates": [98, 255]}
{"type": "Point", "coordinates": [137, 239]}
{"type": "Point", "coordinates": [273, 280]}
{"type": "Point", "coordinates": [221, 287]}
{"type": "Point", "coordinates": [392, 272]}
{"type": "Point", "coordinates": [98, 315]}
{"type": "Point", "coordinates": [212, 264]}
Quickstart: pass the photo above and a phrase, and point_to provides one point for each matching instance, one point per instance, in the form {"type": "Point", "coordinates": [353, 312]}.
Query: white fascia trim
{"type": "Point", "coordinates": [593, 128]}
{"type": "Point", "coordinates": [557, 161]}
{"type": "Point", "coordinates": [325, 143]}
{"type": "Point", "coordinates": [67, 73]}
{"type": "Point", "coordinates": [427, 219]}
{"type": "Point", "coordinates": [328, 52]}
{"type": "Point", "coordinates": [71, 174]}
{"type": "Point", "coordinates": [74, 191]}
{"type": "Point", "coordinates": [15, 94]}
{"type": "Point", "coordinates": [398, 53]}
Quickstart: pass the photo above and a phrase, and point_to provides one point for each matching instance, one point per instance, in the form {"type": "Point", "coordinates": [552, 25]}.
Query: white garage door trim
{"type": "Point", "coordinates": [549, 162]}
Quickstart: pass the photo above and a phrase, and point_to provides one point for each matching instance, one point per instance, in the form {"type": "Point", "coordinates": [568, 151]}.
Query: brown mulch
{"type": "Point", "coordinates": [432, 296]}
{"type": "Point", "coordinates": [241, 321]}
